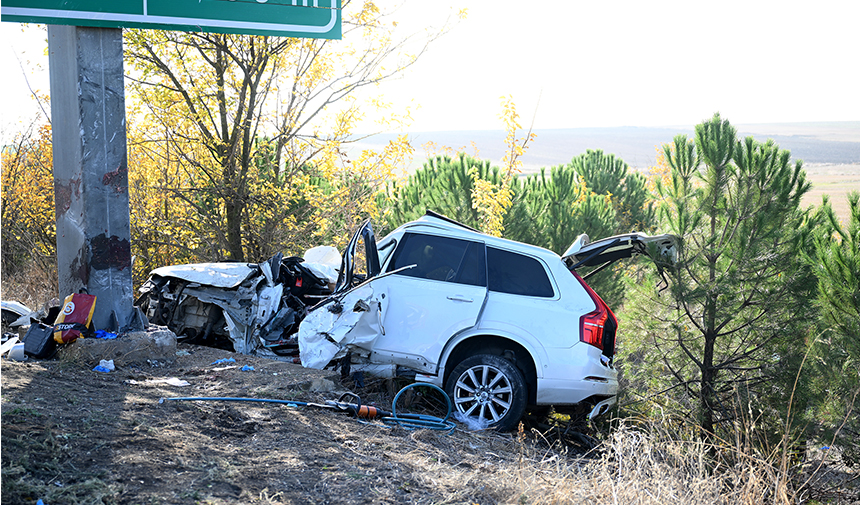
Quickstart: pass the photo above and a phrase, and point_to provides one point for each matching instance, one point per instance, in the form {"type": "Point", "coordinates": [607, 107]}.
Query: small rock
{"type": "Point", "coordinates": [321, 385]}
{"type": "Point", "coordinates": [135, 348]}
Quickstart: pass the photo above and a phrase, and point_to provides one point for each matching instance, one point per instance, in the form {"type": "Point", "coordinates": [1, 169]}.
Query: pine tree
{"type": "Point", "coordinates": [444, 185]}
{"type": "Point", "coordinates": [738, 293]}
{"type": "Point", "coordinates": [835, 356]}
{"type": "Point", "coordinates": [607, 175]}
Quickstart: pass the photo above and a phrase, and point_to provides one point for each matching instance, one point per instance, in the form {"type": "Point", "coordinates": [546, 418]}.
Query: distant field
{"type": "Point", "coordinates": [835, 181]}
{"type": "Point", "coordinates": [837, 131]}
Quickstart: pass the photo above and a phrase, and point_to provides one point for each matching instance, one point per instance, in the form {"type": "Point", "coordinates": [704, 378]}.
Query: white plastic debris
{"type": "Point", "coordinates": [170, 381]}
{"type": "Point", "coordinates": [8, 345]}
{"type": "Point", "coordinates": [324, 255]}
{"type": "Point", "coordinates": [17, 352]}
{"type": "Point", "coordinates": [323, 261]}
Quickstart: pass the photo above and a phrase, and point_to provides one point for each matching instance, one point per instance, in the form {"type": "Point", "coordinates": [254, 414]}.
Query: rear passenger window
{"type": "Point", "coordinates": [509, 272]}
{"type": "Point", "coordinates": [441, 259]}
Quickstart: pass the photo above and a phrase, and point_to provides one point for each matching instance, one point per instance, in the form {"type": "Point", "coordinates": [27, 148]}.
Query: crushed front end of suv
{"type": "Point", "coordinates": [249, 308]}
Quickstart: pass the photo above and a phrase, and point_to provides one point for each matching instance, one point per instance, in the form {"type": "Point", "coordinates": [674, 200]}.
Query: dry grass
{"type": "Point", "coordinates": [646, 463]}
{"type": "Point", "coordinates": [633, 467]}
{"type": "Point", "coordinates": [31, 285]}
{"type": "Point", "coordinates": [101, 437]}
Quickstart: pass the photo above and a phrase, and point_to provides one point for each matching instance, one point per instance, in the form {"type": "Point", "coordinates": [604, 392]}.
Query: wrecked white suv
{"type": "Point", "coordinates": [500, 325]}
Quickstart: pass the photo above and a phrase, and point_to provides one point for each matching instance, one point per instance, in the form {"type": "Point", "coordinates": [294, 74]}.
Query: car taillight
{"type": "Point", "coordinates": [598, 327]}
{"type": "Point", "coordinates": [591, 327]}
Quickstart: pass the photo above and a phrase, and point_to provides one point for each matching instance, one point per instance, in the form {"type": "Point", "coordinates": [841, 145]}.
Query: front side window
{"type": "Point", "coordinates": [441, 259]}
{"type": "Point", "coordinates": [517, 274]}
{"type": "Point", "coordinates": [385, 248]}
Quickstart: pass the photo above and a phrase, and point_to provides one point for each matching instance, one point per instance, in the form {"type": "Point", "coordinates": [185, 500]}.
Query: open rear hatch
{"type": "Point", "coordinates": [602, 253]}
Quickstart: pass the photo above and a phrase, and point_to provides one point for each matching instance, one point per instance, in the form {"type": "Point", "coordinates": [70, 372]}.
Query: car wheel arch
{"type": "Point", "coordinates": [523, 358]}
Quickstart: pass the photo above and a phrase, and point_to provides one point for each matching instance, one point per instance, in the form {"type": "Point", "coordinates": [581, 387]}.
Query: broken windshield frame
{"type": "Point", "coordinates": [346, 276]}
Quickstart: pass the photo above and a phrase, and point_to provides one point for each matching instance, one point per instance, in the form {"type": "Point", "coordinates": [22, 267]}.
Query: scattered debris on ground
{"type": "Point", "coordinates": [73, 435]}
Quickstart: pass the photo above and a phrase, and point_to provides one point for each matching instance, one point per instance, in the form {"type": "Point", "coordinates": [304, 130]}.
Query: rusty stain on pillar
{"type": "Point", "coordinates": [90, 170]}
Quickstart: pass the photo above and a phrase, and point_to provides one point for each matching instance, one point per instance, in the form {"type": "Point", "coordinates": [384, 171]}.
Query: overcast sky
{"type": "Point", "coordinates": [574, 64]}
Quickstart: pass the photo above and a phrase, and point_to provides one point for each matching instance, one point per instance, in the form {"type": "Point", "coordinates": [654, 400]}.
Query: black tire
{"type": "Point", "coordinates": [489, 387]}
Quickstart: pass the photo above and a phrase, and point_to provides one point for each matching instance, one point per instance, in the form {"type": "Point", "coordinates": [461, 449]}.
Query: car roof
{"type": "Point", "coordinates": [430, 223]}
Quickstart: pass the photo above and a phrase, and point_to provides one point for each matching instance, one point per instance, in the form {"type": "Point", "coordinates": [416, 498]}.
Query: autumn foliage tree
{"type": "Point", "coordinates": [29, 228]}
{"type": "Point", "coordinates": [253, 132]}
{"type": "Point", "coordinates": [492, 200]}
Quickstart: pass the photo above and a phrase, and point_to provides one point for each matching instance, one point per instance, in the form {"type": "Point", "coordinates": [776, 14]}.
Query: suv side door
{"type": "Point", "coordinates": [523, 301]}
{"type": "Point", "coordinates": [424, 306]}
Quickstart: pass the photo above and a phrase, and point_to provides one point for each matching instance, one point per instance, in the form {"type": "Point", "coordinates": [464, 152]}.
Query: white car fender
{"type": "Point", "coordinates": [529, 342]}
{"type": "Point", "coordinates": [352, 320]}
{"type": "Point", "coordinates": [25, 315]}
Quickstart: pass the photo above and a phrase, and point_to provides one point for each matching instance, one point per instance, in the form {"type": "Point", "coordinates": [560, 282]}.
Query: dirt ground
{"type": "Point", "coordinates": [73, 435]}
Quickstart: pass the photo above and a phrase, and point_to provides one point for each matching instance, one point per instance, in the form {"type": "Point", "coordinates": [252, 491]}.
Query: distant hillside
{"type": "Point", "coordinates": [830, 143]}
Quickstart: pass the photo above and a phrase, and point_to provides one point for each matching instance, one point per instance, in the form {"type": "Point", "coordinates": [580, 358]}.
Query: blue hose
{"type": "Point", "coordinates": [421, 421]}
{"type": "Point", "coordinates": [406, 421]}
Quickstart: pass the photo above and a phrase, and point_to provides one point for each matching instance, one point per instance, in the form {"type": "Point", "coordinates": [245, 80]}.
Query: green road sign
{"type": "Point", "coordinates": [288, 18]}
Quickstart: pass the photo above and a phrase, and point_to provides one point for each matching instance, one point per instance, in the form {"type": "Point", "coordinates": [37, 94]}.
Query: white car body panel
{"type": "Point", "coordinates": [566, 380]}
{"type": "Point", "coordinates": [25, 315]}
{"type": "Point", "coordinates": [421, 316]}
{"type": "Point", "coordinates": [324, 334]}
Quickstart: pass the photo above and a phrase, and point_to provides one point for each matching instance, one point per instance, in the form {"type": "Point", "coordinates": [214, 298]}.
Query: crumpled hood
{"type": "Point", "coordinates": [219, 275]}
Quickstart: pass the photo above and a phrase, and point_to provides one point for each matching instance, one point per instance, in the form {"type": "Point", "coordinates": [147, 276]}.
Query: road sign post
{"type": "Point", "coordinates": [90, 170]}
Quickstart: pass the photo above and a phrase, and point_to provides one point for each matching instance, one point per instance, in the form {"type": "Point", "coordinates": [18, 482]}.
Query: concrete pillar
{"type": "Point", "coordinates": [90, 170]}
